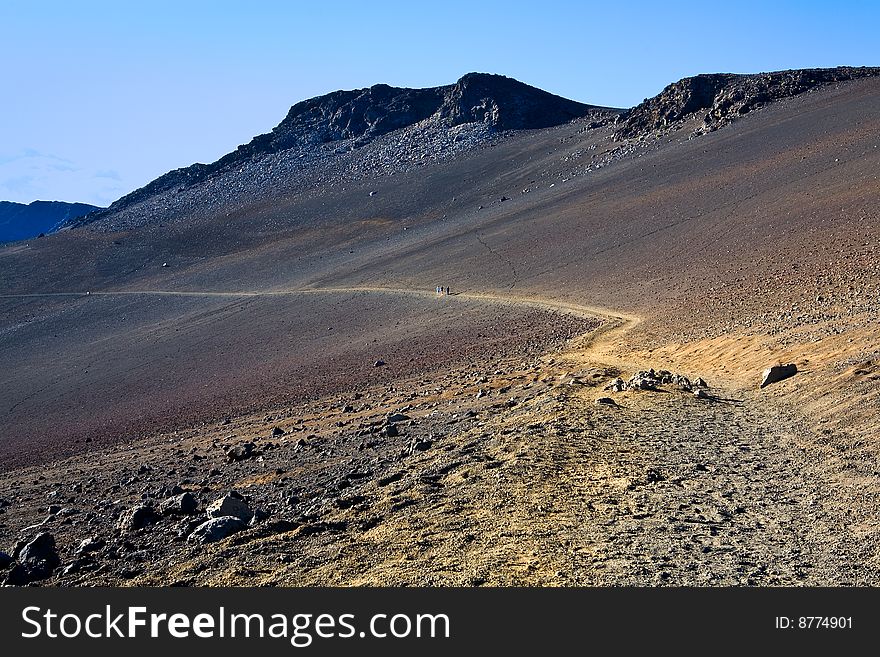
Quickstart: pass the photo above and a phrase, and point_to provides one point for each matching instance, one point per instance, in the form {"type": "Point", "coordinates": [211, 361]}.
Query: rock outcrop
{"type": "Point", "coordinates": [722, 97]}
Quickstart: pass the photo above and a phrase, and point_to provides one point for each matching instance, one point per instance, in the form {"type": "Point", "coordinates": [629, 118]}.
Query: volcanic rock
{"type": "Point", "coordinates": [182, 504]}
{"type": "Point", "coordinates": [36, 561]}
{"type": "Point", "coordinates": [231, 504]}
{"type": "Point", "coordinates": [136, 518]}
{"type": "Point", "coordinates": [216, 529]}
{"type": "Point", "coordinates": [777, 373]}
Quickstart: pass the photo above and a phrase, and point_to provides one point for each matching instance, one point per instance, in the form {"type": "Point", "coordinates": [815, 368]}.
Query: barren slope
{"type": "Point", "coordinates": [738, 248]}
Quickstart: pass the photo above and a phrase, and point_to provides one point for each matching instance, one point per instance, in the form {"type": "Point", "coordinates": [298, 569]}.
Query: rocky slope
{"type": "Point", "coordinates": [722, 97]}
{"type": "Point", "coordinates": [20, 221]}
{"type": "Point", "coordinates": [431, 123]}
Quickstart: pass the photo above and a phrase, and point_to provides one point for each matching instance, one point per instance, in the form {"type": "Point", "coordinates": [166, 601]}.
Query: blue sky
{"type": "Point", "coordinates": [102, 97]}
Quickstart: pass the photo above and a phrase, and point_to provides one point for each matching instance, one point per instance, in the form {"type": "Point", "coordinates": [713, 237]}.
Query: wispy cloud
{"type": "Point", "coordinates": [110, 174]}
{"type": "Point", "coordinates": [30, 175]}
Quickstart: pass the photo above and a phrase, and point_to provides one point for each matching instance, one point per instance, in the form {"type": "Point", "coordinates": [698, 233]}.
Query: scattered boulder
{"type": "Point", "coordinates": [136, 518]}
{"type": "Point", "coordinates": [778, 373]}
{"type": "Point", "coordinates": [700, 393]}
{"type": "Point", "coordinates": [277, 431]}
{"type": "Point", "coordinates": [606, 401]}
{"type": "Point", "coordinates": [216, 529]}
{"type": "Point", "coordinates": [652, 380]}
{"type": "Point", "coordinates": [180, 505]}
{"type": "Point", "coordinates": [231, 504]}
{"type": "Point", "coordinates": [419, 445]}
{"type": "Point", "coordinates": [617, 385]}
{"type": "Point", "coordinates": [37, 560]}
{"type": "Point", "coordinates": [379, 363]}
{"type": "Point", "coordinates": [397, 417]}
{"type": "Point", "coordinates": [390, 430]}
{"type": "Point", "coordinates": [90, 545]}
{"type": "Point", "coordinates": [241, 452]}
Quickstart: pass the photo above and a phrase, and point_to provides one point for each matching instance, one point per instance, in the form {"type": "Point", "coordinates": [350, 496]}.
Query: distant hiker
{"type": "Point", "coordinates": [447, 290]}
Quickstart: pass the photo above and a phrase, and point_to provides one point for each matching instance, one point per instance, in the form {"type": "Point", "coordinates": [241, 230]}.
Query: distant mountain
{"type": "Point", "coordinates": [345, 120]}
{"type": "Point", "coordinates": [20, 221]}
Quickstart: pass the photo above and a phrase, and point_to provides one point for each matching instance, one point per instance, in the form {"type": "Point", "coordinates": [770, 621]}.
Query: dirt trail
{"type": "Point", "coordinates": [534, 483]}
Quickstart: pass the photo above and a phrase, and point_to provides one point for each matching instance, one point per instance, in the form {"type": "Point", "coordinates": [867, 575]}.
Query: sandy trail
{"type": "Point", "coordinates": [661, 489]}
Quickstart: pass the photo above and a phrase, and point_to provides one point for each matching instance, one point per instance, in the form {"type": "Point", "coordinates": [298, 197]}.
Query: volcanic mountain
{"type": "Point", "coordinates": [428, 124]}
{"type": "Point", "coordinates": [19, 221]}
{"type": "Point", "coordinates": [582, 405]}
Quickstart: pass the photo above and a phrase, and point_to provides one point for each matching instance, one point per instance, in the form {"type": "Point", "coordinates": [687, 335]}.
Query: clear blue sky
{"type": "Point", "coordinates": [99, 98]}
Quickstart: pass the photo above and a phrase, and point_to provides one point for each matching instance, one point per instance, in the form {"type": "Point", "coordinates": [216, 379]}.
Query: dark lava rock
{"type": "Point", "coordinates": [379, 363]}
{"type": "Point", "coordinates": [778, 373]}
{"type": "Point", "coordinates": [183, 504]}
{"type": "Point", "coordinates": [277, 431]}
{"type": "Point", "coordinates": [397, 417]}
{"type": "Point", "coordinates": [722, 97]}
{"type": "Point", "coordinates": [419, 445]}
{"type": "Point", "coordinates": [241, 452]}
{"type": "Point", "coordinates": [216, 529]}
{"type": "Point", "coordinates": [90, 545]}
{"type": "Point", "coordinates": [37, 560]}
{"type": "Point", "coordinates": [606, 401]}
{"type": "Point", "coordinates": [390, 430]}
{"type": "Point", "coordinates": [231, 504]}
{"type": "Point", "coordinates": [136, 518]}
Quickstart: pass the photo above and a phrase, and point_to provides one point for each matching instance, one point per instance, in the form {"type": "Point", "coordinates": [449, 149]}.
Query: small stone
{"type": "Point", "coordinates": [606, 401]}
{"type": "Point", "coordinates": [379, 363]}
{"type": "Point", "coordinates": [397, 417]}
{"type": "Point", "coordinates": [216, 529]}
{"type": "Point", "coordinates": [700, 393]}
{"type": "Point", "coordinates": [90, 545]}
{"type": "Point", "coordinates": [390, 431]}
{"type": "Point", "coordinates": [419, 445]}
{"type": "Point", "coordinates": [277, 431]}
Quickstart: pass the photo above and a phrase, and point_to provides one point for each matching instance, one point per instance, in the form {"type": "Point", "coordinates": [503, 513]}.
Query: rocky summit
{"type": "Point", "coordinates": [717, 99]}
{"type": "Point", "coordinates": [344, 120]}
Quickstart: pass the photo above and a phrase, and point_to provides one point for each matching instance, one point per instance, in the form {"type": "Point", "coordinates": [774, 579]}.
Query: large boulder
{"type": "Point", "coordinates": [231, 504]}
{"type": "Point", "coordinates": [136, 518]}
{"type": "Point", "coordinates": [179, 505]}
{"type": "Point", "coordinates": [36, 561]}
{"type": "Point", "coordinates": [777, 373]}
{"type": "Point", "coordinates": [216, 529]}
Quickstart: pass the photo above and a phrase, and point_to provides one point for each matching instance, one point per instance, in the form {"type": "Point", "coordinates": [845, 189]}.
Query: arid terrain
{"type": "Point", "coordinates": [242, 374]}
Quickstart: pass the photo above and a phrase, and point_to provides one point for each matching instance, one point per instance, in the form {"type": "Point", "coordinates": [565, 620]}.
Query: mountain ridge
{"type": "Point", "coordinates": [20, 221]}
{"type": "Point", "coordinates": [435, 123]}
{"type": "Point", "coordinates": [362, 115]}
